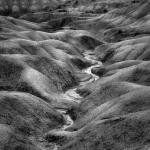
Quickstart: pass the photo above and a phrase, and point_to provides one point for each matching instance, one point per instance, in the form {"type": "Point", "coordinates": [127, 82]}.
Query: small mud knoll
{"type": "Point", "coordinates": [74, 75]}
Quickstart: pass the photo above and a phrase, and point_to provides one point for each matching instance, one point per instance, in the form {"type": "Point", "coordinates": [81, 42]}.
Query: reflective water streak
{"type": "Point", "coordinates": [75, 96]}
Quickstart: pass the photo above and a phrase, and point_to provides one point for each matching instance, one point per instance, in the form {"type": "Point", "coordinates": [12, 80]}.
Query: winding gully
{"type": "Point", "coordinates": [74, 96]}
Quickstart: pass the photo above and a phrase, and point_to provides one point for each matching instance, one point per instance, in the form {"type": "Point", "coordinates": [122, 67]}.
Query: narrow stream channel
{"type": "Point", "coordinates": [72, 94]}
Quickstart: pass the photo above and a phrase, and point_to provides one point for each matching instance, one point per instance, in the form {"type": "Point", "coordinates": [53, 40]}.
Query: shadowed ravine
{"type": "Point", "coordinates": [75, 96]}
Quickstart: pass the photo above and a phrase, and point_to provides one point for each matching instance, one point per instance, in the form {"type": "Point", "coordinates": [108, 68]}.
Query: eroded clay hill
{"type": "Point", "coordinates": [37, 66]}
{"type": "Point", "coordinates": [44, 50]}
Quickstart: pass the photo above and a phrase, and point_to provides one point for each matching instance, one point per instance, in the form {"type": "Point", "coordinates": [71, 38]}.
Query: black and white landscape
{"type": "Point", "coordinates": [74, 74]}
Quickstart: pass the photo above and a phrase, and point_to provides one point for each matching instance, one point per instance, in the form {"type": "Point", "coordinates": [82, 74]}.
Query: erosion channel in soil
{"type": "Point", "coordinates": [75, 96]}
